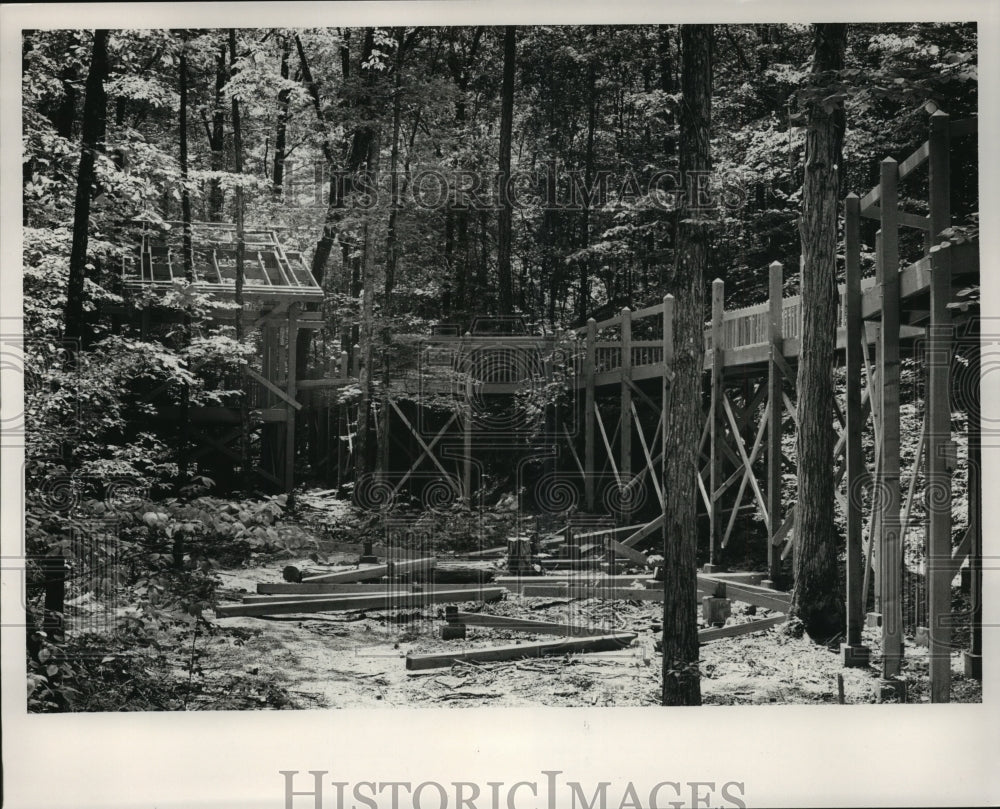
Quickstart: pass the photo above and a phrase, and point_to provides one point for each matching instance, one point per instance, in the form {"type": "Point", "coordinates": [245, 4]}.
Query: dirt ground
{"type": "Point", "coordinates": [357, 659]}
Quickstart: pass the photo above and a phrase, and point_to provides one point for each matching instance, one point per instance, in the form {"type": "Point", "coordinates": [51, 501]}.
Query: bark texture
{"type": "Point", "coordinates": [817, 599]}
{"type": "Point", "coordinates": [682, 406]}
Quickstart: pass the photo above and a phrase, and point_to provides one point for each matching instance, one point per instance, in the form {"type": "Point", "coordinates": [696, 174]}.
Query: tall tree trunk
{"type": "Point", "coordinates": [504, 272]}
{"type": "Point", "coordinates": [583, 301]}
{"type": "Point", "coordinates": [682, 405]}
{"type": "Point", "coordinates": [188, 260]}
{"type": "Point", "coordinates": [217, 139]}
{"type": "Point", "coordinates": [278, 170]}
{"type": "Point", "coordinates": [240, 256]}
{"type": "Point", "coordinates": [94, 126]}
{"type": "Point", "coordinates": [366, 335]}
{"type": "Point", "coordinates": [817, 599]}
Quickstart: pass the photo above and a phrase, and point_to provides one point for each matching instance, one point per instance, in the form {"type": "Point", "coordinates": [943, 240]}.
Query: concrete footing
{"type": "Point", "coordinates": [707, 568]}
{"type": "Point", "coordinates": [922, 636]}
{"type": "Point", "coordinates": [715, 611]}
{"type": "Point", "coordinates": [873, 620]}
{"type": "Point", "coordinates": [892, 690]}
{"type": "Point", "coordinates": [453, 632]}
{"type": "Point", "coordinates": [854, 656]}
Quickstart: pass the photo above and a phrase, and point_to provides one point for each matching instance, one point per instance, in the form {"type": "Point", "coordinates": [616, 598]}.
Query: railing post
{"type": "Point", "coordinates": [715, 422]}
{"type": "Point", "coordinates": [939, 175]}
{"type": "Point", "coordinates": [625, 464]}
{"type": "Point", "coordinates": [356, 357]}
{"type": "Point", "coordinates": [891, 535]}
{"type": "Point", "coordinates": [940, 455]}
{"type": "Point", "coordinates": [775, 411]}
{"type": "Point", "coordinates": [290, 389]}
{"type": "Point", "coordinates": [853, 653]}
{"type": "Point", "coordinates": [589, 369]}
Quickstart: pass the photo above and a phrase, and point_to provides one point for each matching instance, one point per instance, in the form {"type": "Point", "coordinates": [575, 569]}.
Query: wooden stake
{"type": "Point", "coordinates": [715, 415]}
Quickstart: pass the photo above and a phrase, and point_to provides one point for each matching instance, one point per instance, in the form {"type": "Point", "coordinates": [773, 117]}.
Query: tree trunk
{"type": "Point", "coordinates": [240, 251]}
{"type": "Point", "coordinates": [217, 141]}
{"type": "Point", "coordinates": [682, 405]}
{"type": "Point", "coordinates": [278, 171]}
{"type": "Point", "coordinates": [367, 330]}
{"type": "Point", "coordinates": [816, 598]}
{"type": "Point", "coordinates": [583, 302]}
{"type": "Point", "coordinates": [504, 272]}
{"type": "Point", "coordinates": [188, 261]}
{"type": "Point", "coordinates": [94, 126]}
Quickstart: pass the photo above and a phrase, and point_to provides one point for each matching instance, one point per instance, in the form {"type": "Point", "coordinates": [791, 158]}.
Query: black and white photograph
{"type": "Point", "coordinates": [403, 366]}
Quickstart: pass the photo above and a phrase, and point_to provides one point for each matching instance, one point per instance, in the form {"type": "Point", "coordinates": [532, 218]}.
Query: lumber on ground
{"type": "Point", "coordinates": [381, 601]}
{"type": "Point", "coordinates": [372, 572]}
{"type": "Point", "coordinates": [758, 596]}
{"type": "Point", "coordinates": [600, 643]}
{"type": "Point", "coordinates": [526, 625]}
{"type": "Point", "coordinates": [320, 589]}
{"type": "Point", "coordinates": [707, 635]}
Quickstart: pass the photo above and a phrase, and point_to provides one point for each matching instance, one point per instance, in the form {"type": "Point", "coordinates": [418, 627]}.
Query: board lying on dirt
{"type": "Point", "coordinates": [602, 643]}
{"type": "Point", "coordinates": [380, 601]}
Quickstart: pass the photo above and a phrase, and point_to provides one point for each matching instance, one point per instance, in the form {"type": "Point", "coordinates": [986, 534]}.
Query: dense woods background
{"type": "Point", "coordinates": [287, 128]}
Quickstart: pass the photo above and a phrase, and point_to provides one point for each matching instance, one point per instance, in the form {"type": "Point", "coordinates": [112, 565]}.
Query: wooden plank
{"type": "Point", "coordinates": [748, 473]}
{"type": "Point", "coordinates": [588, 415]}
{"type": "Point", "coordinates": [267, 383]}
{"type": "Point", "coordinates": [715, 437]}
{"type": "Point", "coordinates": [938, 358]}
{"type": "Point", "coordinates": [426, 448]}
{"type": "Point", "coordinates": [525, 625]}
{"type": "Point", "coordinates": [607, 445]}
{"type": "Point", "coordinates": [763, 597]}
{"type": "Point", "coordinates": [891, 560]}
{"type": "Point", "coordinates": [373, 572]}
{"type": "Point", "coordinates": [583, 591]}
{"type": "Point", "coordinates": [285, 588]}
{"type": "Point", "coordinates": [759, 625]}
{"type": "Point", "coordinates": [910, 220]}
{"type": "Point", "coordinates": [624, 550]}
{"type": "Point", "coordinates": [774, 413]}
{"type": "Point", "coordinates": [625, 446]}
{"type": "Point", "coordinates": [914, 160]}
{"type": "Point", "coordinates": [646, 530]}
{"type": "Point", "coordinates": [381, 601]}
{"type": "Point", "coordinates": [747, 463]}
{"type": "Point", "coordinates": [855, 422]}
{"type": "Point", "coordinates": [425, 452]}
{"type": "Point", "coordinates": [601, 643]}
{"type": "Point", "coordinates": [649, 460]}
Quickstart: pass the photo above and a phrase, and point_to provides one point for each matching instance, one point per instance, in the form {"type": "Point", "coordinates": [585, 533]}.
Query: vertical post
{"type": "Point", "coordinates": [939, 174]}
{"type": "Point", "coordinates": [939, 469]}
{"type": "Point", "coordinates": [715, 421]}
{"type": "Point", "coordinates": [625, 464]}
{"type": "Point", "coordinates": [344, 359]}
{"type": "Point", "coordinates": [853, 653]}
{"type": "Point", "coordinates": [973, 658]}
{"type": "Point", "coordinates": [891, 535]}
{"type": "Point", "coordinates": [775, 407]}
{"type": "Point", "coordinates": [589, 369]}
{"type": "Point", "coordinates": [467, 442]}
{"type": "Point", "coordinates": [356, 360]}
{"type": "Point", "coordinates": [290, 389]}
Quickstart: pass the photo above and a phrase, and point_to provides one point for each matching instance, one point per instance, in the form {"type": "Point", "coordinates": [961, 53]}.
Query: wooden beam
{"type": "Point", "coordinates": [290, 390]}
{"type": "Point", "coordinates": [601, 643]}
{"type": "Point", "coordinates": [267, 383]}
{"type": "Point", "coordinates": [774, 413]}
{"type": "Point", "coordinates": [747, 463]}
{"type": "Point", "coordinates": [891, 561]}
{"type": "Point", "coordinates": [759, 625]}
{"type": "Point", "coordinates": [748, 474]}
{"type": "Point", "coordinates": [855, 420]}
{"type": "Point", "coordinates": [649, 460]}
{"type": "Point", "coordinates": [940, 451]}
{"type": "Point", "coordinates": [607, 445]}
{"type": "Point", "coordinates": [590, 591]}
{"type": "Point", "coordinates": [373, 571]}
{"type": "Point", "coordinates": [425, 452]}
{"type": "Point", "coordinates": [424, 446]}
{"type": "Point", "coordinates": [763, 597]}
{"type": "Point", "coordinates": [589, 408]}
{"type": "Point", "coordinates": [715, 415]}
{"type": "Point", "coordinates": [284, 588]}
{"type": "Point", "coordinates": [626, 407]}
{"type": "Point", "coordinates": [382, 601]}
{"type": "Point", "coordinates": [525, 625]}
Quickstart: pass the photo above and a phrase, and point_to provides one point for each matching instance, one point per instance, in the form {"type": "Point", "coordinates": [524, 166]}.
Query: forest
{"type": "Point", "coordinates": [429, 179]}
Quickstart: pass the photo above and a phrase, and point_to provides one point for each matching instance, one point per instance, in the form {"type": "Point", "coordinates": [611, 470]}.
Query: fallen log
{"type": "Point", "coordinates": [601, 643]}
{"type": "Point", "coordinates": [526, 625]}
{"type": "Point", "coordinates": [372, 572]}
{"type": "Point", "coordinates": [381, 601]}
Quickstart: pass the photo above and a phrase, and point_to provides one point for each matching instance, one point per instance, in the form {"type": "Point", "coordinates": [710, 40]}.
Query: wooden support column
{"type": "Point", "coordinates": [625, 456]}
{"type": "Point", "coordinates": [716, 429]}
{"type": "Point", "coordinates": [774, 418]}
{"type": "Point", "coordinates": [290, 389]}
{"type": "Point", "coordinates": [973, 658]}
{"type": "Point", "coordinates": [940, 455]}
{"type": "Point", "coordinates": [853, 653]}
{"type": "Point", "coordinates": [589, 369]}
{"type": "Point", "coordinates": [891, 562]}
{"type": "Point", "coordinates": [939, 175]}
{"type": "Point", "coordinates": [467, 442]}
